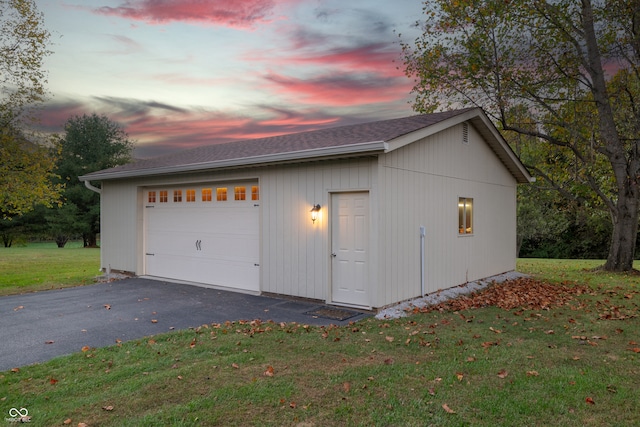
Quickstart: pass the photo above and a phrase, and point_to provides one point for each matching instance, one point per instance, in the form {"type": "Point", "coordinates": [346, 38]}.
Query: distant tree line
{"type": "Point", "coordinates": [90, 143]}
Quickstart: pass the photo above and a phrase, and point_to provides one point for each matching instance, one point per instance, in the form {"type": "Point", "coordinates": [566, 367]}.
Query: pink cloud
{"type": "Point", "coordinates": [379, 58]}
{"type": "Point", "coordinates": [340, 89]}
{"type": "Point", "coordinates": [236, 13]}
{"type": "Point", "coordinates": [160, 128]}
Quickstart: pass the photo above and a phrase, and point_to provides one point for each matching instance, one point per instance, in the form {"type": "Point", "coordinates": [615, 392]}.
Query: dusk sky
{"type": "Point", "coordinates": [183, 73]}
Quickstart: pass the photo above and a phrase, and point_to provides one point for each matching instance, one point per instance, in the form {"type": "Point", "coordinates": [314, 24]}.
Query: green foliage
{"type": "Point", "coordinates": [538, 70]}
{"type": "Point", "coordinates": [25, 171]}
{"type": "Point", "coordinates": [90, 143]}
{"type": "Point", "coordinates": [23, 48]}
{"type": "Point", "coordinates": [25, 175]}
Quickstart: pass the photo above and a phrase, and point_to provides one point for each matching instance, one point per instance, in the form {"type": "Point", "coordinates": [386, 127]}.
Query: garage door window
{"type": "Point", "coordinates": [206, 194]}
{"type": "Point", "coordinates": [164, 196]}
{"type": "Point", "coordinates": [240, 193]}
{"type": "Point", "coordinates": [255, 192]}
{"type": "Point", "coordinates": [191, 196]}
{"type": "Point", "coordinates": [221, 194]}
{"type": "Point", "coordinates": [152, 196]}
{"type": "Point", "coordinates": [177, 196]}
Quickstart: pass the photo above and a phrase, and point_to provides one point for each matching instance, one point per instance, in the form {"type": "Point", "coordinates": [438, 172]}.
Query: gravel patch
{"type": "Point", "coordinates": [404, 308]}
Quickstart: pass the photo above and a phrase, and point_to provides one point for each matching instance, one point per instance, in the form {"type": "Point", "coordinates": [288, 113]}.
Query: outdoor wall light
{"type": "Point", "coordinates": [314, 213]}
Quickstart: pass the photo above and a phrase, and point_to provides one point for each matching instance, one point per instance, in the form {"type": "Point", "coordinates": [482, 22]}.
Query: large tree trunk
{"type": "Point", "coordinates": [625, 212]}
{"type": "Point", "coordinates": [625, 232]}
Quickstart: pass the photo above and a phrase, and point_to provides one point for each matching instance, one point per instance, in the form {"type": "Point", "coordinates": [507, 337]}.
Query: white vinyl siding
{"type": "Point", "coordinates": [420, 184]}
{"type": "Point", "coordinates": [295, 250]}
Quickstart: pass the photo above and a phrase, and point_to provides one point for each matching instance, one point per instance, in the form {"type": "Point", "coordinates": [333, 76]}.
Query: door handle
{"type": "Point", "coordinates": [333, 254]}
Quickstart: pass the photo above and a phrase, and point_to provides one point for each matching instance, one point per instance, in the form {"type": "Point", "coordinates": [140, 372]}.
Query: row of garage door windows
{"type": "Point", "coordinates": [239, 193]}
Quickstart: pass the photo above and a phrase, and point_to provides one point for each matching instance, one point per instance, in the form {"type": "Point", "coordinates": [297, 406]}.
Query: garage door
{"type": "Point", "coordinates": [206, 233]}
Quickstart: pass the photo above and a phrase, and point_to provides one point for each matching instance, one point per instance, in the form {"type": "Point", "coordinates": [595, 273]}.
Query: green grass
{"type": "Point", "coordinates": [40, 266]}
{"type": "Point", "coordinates": [489, 366]}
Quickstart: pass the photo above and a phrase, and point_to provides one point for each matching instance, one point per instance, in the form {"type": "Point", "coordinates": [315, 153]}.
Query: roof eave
{"type": "Point", "coordinates": [313, 154]}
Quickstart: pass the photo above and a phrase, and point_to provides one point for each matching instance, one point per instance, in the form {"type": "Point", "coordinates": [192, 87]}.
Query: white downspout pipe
{"type": "Point", "coordinates": [422, 236]}
{"type": "Point", "coordinates": [92, 188]}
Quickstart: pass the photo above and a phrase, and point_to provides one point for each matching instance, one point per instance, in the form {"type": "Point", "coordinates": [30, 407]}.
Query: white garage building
{"type": "Point", "coordinates": [404, 207]}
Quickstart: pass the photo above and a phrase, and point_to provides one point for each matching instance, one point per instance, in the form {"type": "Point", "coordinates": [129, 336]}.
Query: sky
{"type": "Point", "coordinates": [177, 74]}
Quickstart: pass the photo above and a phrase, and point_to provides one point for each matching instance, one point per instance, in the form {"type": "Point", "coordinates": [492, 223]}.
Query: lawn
{"type": "Point", "coordinates": [577, 364]}
{"type": "Point", "coordinates": [40, 266]}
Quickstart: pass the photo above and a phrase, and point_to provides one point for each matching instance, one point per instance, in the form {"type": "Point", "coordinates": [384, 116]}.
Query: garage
{"type": "Point", "coordinates": [205, 233]}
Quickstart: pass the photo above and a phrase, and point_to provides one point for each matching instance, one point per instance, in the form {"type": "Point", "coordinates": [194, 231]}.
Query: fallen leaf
{"type": "Point", "coordinates": [151, 341]}
{"type": "Point", "coordinates": [108, 408]}
{"type": "Point", "coordinates": [635, 349]}
{"type": "Point", "coordinates": [20, 307]}
{"type": "Point", "coordinates": [471, 359]}
{"type": "Point", "coordinates": [460, 376]}
{"type": "Point", "coordinates": [447, 409]}
{"type": "Point", "coordinates": [67, 421]}
{"type": "Point", "coordinates": [118, 341]}
{"type": "Point", "coordinates": [235, 366]}
{"type": "Point", "coordinates": [388, 361]}
{"type": "Point", "coordinates": [589, 401]}
{"type": "Point", "coordinates": [83, 425]}
{"type": "Point", "coordinates": [292, 405]}
{"type": "Point", "coordinates": [503, 374]}
{"type": "Point", "coordinates": [107, 306]}
{"type": "Point", "coordinates": [497, 331]}
{"type": "Point", "coordinates": [532, 373]}
{"type": "Point", "coordinates": [53, 381]}
{"type": "Point", "coordinates": [193, 343]}
{"type": "Point", "coordinates": [389, 339]}
{"type": "Point", "coordinates": [49, 342]}
{"type": "Point", "coordinates": [179, 377]}
{"type": "Point", "coordinates": [432, 391]}
{"type": "Point", "coordinates": [346, 387]}
{"type": "Point", "coordinates": [269, 372]}
{"type": "Point", "coordinates": [154, 321]}
{"type": "Point", "coordinates": [15, 370]}
{"type": "Point", "coordinates": [86, 348]}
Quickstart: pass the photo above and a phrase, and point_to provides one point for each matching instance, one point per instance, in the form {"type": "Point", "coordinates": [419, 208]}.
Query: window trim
{"type": "Point", "coordinates": [466, 216]}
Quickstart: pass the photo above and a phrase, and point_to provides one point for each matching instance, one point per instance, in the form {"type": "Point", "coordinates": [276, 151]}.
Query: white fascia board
{"type": "Point", "coordinates": [336, 151]}
{"type": "Point", "coordinates": [409, 138]}
{"type": "Point", "coordinates": [501, 145]}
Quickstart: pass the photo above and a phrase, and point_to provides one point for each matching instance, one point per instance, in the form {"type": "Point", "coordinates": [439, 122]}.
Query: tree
{"type": "Point", "coordinates": [90, 143]}
{"type": "Point", "coordinates": [553, 63]}
{"type": "Point", "coordinates": [25, 170]}
{"type": "Point", "coordinates": [25, 175]}
{"type": "Point", "coordinates": [23, 48]}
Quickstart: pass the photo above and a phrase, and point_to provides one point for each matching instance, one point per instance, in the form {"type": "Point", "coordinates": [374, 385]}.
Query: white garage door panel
{"type": "Point", "coordinates": [214, 243]}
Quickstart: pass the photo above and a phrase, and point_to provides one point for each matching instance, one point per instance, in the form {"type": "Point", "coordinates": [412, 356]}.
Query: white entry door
{"type": "Point", "coordinates": [350, 249]}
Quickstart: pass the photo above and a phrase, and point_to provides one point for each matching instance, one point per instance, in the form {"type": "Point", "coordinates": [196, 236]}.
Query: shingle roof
{"type": "Point", "coordinates": [345, 139]}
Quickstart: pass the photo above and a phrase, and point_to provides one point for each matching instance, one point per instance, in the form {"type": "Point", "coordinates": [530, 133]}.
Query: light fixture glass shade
{"type": "Point", "coordinates": [314, 212]}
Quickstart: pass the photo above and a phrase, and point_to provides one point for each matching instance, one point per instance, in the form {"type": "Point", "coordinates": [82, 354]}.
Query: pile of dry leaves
{"type": "Point", "coordinates": [524, 292]}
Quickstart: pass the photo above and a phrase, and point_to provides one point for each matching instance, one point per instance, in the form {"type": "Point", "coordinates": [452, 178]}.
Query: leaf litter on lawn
{"type": "Point", "coordinates": [523, 292]}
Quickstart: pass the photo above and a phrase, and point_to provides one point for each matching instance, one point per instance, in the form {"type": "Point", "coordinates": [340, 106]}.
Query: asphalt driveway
{"type": "Point", "coordinates": [39, 326]}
